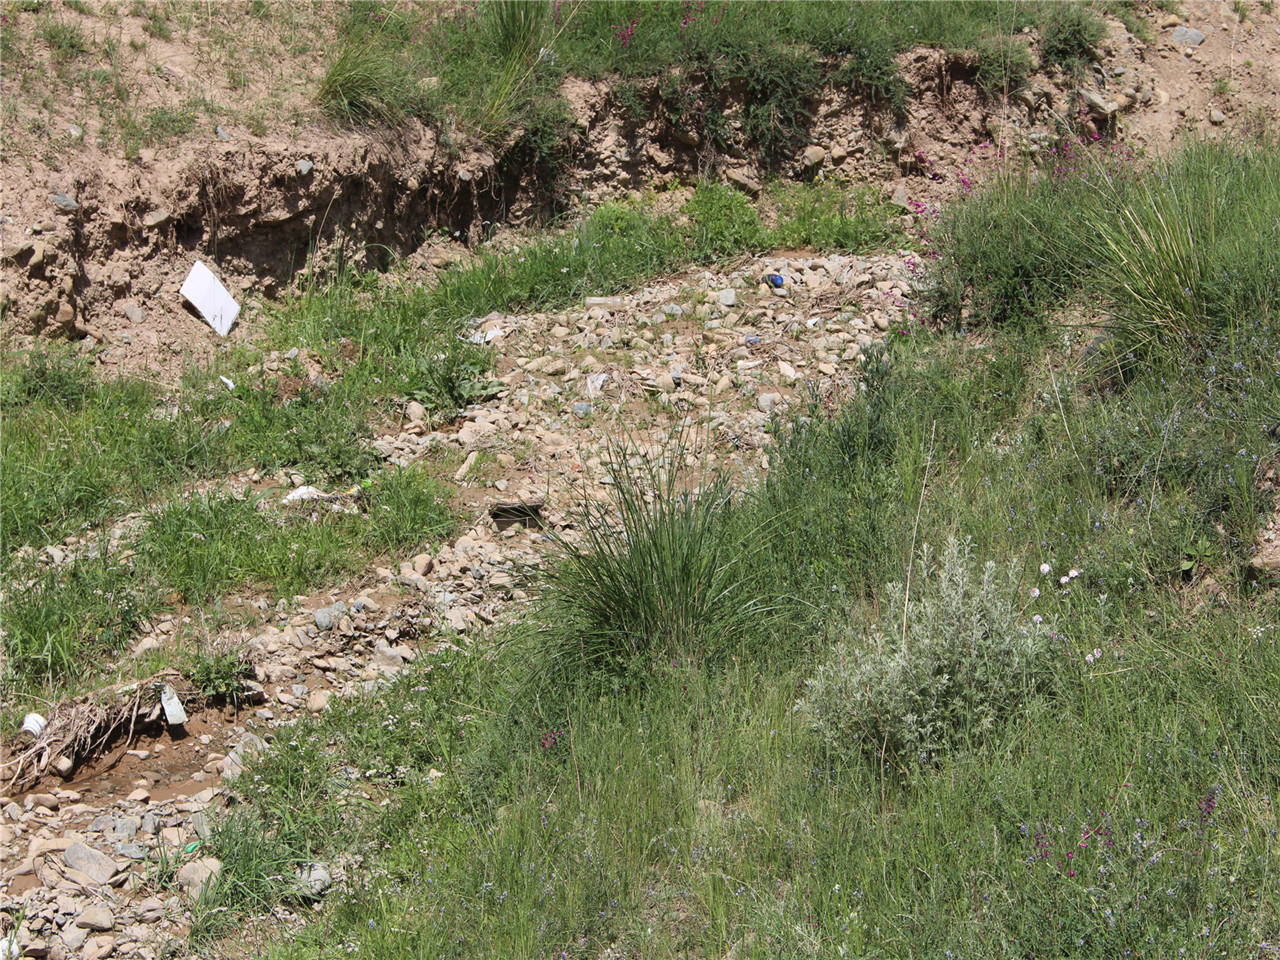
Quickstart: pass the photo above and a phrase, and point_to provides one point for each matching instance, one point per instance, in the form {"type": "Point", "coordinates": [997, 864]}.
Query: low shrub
{"type": "Point", "coordinates": [1070, 32]}
{"type": "Point", "coordinates": [964, 661]}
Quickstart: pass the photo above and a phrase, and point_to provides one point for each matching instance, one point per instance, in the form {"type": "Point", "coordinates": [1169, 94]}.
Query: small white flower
{"type": "Point", "coordinates": [1088, 658]}
{"type": "Point", "coordinates": [1073, 574]}
{"type": "Point", "coordinates": [1037, 619]}
{"type": "Point", "coordinates": [1097, 653]}
{"type": "Point", "coordinates": [1035, 592]}
{"type": "Point", "coordinates": [1064, 580]}
{"type": "Point", "coordinates": [1045, 569]}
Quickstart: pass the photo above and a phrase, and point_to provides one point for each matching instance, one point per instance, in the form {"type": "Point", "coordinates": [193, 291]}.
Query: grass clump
{"type": "Point", "coordinates": [66, 41]}
{"type": "Point", "coordinates": [1004, 64]}
{"type": "Point", "coordinates": [367, 83]}
{"type": "Point", "coordinates": [957, 658]}
{"type": "Point", "coordinates": [670, 579]}
{"type": "Point", "coordinates": [1175, 249]}
{"type": "Point", "coordinates": [1070, 34]}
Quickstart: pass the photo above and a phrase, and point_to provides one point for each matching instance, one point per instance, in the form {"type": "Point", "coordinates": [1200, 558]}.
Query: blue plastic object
{"type": "Point", "coordinates": [775, 280]}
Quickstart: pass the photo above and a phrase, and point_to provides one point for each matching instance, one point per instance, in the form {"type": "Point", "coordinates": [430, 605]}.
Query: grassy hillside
{"type": "Point", "coordinates": [981, 669]}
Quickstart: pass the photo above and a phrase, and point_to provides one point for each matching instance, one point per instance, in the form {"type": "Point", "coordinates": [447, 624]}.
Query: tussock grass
{"type": "Point", "coordinates": [660, 574]}
{"type": "Point", "coordinates": [1174, 249]}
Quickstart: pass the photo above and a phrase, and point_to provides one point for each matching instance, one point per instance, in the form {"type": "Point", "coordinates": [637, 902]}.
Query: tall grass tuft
{"type": "Point", "coordinates": [661, 575]}
{"type": "Point", "coordinates": [1190, 248]}
{"type": "Point", "coordinates": [1173, 249]}
{"type": "Point", "coordinates": [368, 84]}
{"type": "Point", "coordinates": [515, 28]}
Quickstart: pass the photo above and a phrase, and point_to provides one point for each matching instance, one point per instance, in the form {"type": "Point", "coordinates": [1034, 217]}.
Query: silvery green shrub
{"type": "Point", "coordinates": [968, 659]}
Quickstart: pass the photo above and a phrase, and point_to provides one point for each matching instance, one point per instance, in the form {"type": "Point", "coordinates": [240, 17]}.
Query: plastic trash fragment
{"type": "Point", "coordinates": [34, 724]}
{"type": "Point", "coordinates": [595, 383]}
{"type": "Point", "coordinates": [210, 298]}
{"type": "Point", "coordinates": [303, 494]}
{"type": "Point", "coordinates": [230, 385]}
{"type": "Point", "coordinates": [775, 280]}
{"type": "Point", "coordinates": [174, 714]}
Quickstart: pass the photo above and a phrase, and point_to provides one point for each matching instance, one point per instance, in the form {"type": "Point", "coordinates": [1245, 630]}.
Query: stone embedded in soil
{"type": "Point", "coordinates": [1187, 37]}
{"type": "Point", "coordinates": [90, 862]}
{"type": "Point", "coordinates": [317, 701]}
{"type": "Point", "coordinates": [314, 879]}
{"type": "Point", "coordinates": [64, 202]}
{"type": "Point", "coordinates": [195, 878]}
{"type": "Point", "coordinates": [96, 918]}
{"type": "Point", "coordinates": [149, 910]}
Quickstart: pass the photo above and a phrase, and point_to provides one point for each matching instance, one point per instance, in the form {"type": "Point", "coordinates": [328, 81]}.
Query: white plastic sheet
{"type": "Point", "coordinates": [210, 298]}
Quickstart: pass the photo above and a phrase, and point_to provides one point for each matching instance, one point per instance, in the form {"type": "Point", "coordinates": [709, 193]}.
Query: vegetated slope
{"type": "Point", "coordinates": [124, 114]}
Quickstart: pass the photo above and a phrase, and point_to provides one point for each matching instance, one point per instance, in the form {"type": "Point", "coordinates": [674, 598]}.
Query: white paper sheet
{"type": "Point", "coordinates": [210, 298]}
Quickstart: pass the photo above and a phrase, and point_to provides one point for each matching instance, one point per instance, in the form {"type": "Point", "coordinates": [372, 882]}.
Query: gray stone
{"type": "Point", "coordinates": [582, 409]}
{"type": "Point", "coordinates": [304, 167]}
{"type": "Point", "coordinates": [73, 937]}
{"type": "Point", "coordinates": [314, 879]}
{"type": "Point", "coordinates": [742, 182]}
{"type": "Point", "coordinates": [196, 877]}
{"type": "Point", "coordinates": [1217, 117]}
{"type": "Point", "coordinates": [134, 314]}
{"type": "Point", "coordinates": [1187, 37]}
{"type": "Point", "coordinates": [814, 155]}
{"type": "Point", "coordinates": [1098, 105]}
{"type": "Point", "coordinates": [767, 402]}
{"type": "Point", "coordinates": [220, 133]}
{"type": "Point", "coordinates": [75, 131]}
{"type": "Point", "coordinates": [150, 824]}
{"type": "Point", "coordinates": [156, 218]}
{"type": "Point", "coordinates": [131, 851]}
{"type": "Point", "coordinates": [63, 202]}
{"type": "Point", "coordinates": [90, 862]}
{"type": "Point", "coordinates": [150, 910]}
{"type": "Point", "coordinates": [728, 298]}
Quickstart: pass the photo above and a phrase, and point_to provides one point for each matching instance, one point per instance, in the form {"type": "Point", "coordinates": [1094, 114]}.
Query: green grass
{"type": "Point", "coordinates": [66, 41]}
{"type": "Point", "coordinates": [1172, 249]}
{"type": "Point", "coordinates": [196, 550]}
{"type": "Point", "coordinates": [494, 69]}
{"type": "Point", "coordinates": [695, 811]}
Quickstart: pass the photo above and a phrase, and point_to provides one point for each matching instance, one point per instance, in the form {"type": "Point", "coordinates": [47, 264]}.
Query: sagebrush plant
{"type": "Point", "coordinates": [964, 660]}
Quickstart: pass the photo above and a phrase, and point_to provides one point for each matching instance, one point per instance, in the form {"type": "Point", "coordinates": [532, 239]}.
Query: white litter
{"type": "Point", "coordinates": [210, 298]}
{"type": "Point", "coordinates": [34, 724]}
{"type": "Point", "coordinates": [595, 383]}
{"type": "Point", "coordinates": [230, 385]}
{"type": "Point", "coordinates": [304, 493]}
{"type": "Point", "coordinates": [174, 714]}
{"type": "Point", "coordinates": [484, 336]}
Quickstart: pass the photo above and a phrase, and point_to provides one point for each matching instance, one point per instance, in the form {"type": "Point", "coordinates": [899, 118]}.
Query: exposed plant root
{"type": "Point", "coordinates": [82, 727]}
